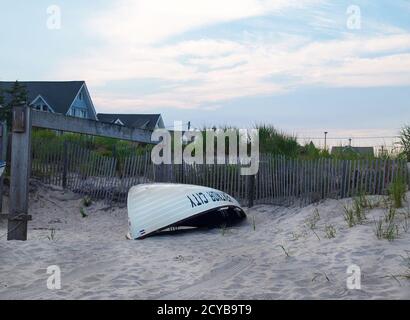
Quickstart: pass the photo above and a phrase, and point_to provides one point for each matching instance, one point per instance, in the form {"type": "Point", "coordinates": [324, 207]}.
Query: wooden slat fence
{"type": "Point", "coordinates": [289, 181]}
{"type": "Point", "coordinates": [280, 181]}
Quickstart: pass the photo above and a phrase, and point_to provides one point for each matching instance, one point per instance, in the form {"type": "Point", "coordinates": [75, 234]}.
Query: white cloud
{"type": "Point", "coordinates": [209, 71]}
{"type": "Point", "coordinates": [150, 21]}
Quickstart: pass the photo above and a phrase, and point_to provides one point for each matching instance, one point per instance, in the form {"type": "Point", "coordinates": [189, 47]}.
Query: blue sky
{"type": "Point", "coordinates": [294, 64]}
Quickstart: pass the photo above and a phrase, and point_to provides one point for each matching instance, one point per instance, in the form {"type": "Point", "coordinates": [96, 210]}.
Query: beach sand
{"type": "Point", "coordinates": [248, 261]}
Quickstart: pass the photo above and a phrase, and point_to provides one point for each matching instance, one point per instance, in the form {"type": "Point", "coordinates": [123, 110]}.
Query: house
{"type": "Point", "coordinates": [360, 151]}
{"type": "Point", "coordinates": [70, 98]}
{"type": "Point", "coordinates": [140, 121]}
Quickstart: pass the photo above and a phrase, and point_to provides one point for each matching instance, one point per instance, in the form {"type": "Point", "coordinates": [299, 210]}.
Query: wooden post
{"type": "Point", "coordinates": [251, 190]}
{"type": "Point", "coordinates": [3, 156]}
{"type": "Point", "coordinates": [408, 173]}
{"type": "Point", "coordinates": [20, 174]}
{"type": "Point", "coordinates": [115, 157]}
{"type": "Point", "coordinates": [65, 163]}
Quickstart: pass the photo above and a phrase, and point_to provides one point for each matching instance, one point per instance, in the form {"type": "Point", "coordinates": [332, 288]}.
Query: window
{"type": "Point", "coordinates": [80, 97]}
{"type": "Point", "coordinates": [78, 112]}
{"type": "Point", "coordinates": [40, 106]}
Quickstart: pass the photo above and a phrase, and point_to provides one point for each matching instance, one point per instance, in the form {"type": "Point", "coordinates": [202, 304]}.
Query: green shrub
{"type": "Point", "coordinates": [405, 141]}
{"type": "Point", "coordinates": [275, 142]}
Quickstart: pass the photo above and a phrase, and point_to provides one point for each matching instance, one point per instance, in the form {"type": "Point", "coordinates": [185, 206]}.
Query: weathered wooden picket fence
{"type": "Point", "coordinates": [74, 166]}
{"type": "Point", "coordinates": [279, 181]}
{"type": "Point", "coordinates": [291, 181]}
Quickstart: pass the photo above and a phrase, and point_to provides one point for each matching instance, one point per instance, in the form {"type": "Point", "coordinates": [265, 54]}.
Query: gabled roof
{"type": "Point", "coordinates": [141, 121]}
{"type": "Point", "coordinates": [58, 94]}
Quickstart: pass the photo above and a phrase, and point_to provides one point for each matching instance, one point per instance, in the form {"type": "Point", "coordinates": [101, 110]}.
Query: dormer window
{"type": "Point", "coordinates": [41, 107]}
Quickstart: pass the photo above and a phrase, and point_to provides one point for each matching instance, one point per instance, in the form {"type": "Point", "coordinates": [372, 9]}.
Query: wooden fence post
{"type": "Point", "coordinates": [3, 156]}
{"type": "Point", "coordinates": [408, 172]}
{"type": "Point", "coordinates": [65, 163]}
{"type": "Point", "coordinates": [251, 191]}
{"type": "Point", "coordinates": [20, 174]}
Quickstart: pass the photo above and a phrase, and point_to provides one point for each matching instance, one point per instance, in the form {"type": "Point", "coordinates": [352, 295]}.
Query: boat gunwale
{"type": "Point", "coordinates": [190, 217]}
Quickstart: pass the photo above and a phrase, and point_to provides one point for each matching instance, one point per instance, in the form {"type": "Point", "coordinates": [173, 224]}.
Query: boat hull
{"type": "Point", "coordinates": [155, 207]}
{"type": "Point", "coordinates": [2, 167]}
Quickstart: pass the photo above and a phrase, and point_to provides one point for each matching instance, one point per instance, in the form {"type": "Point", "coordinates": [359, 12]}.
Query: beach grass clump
{"type": "Point", "coordinates": [391, 232]}
{"type": "Point", "coordinates": [391, 215]}
{"type": "Point", "coordinates": [83, 213]}
{"type": "Point", "coordinates": [387, 228]}
{"type": "Point", "coordinates": [363, 201]}
{"type": "Point", "coordinates": [295, 236]}
{"type": "Point", "coordinates": [87, 201]}
{"type": "Point", "coordinates": [388, 231]}
{"type": "Point", "coordinates": [385, 202]}
{"type": "Point", "coordinates": [313, 220]}
{"type": "Point", "coordinates": [330, 231]}
{"type": "Point", "coordinates": [356, 213]}
{"type": "Point", "coordinates": [349, 216]}
{"type": "Point", "coordinates": [52, 235]}
{"type": "Point", "coordinates": [360, 204]}
{"type": "Point", "coordinates": [379, 229]}
{"type": "Point", "coordinates": [397, 192]}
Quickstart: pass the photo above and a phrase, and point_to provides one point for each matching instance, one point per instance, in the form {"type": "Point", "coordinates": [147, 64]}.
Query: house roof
{"type": "Point", "coordinates": [141, 121]}
{"type": "Point", "coordinates": [58, 94]}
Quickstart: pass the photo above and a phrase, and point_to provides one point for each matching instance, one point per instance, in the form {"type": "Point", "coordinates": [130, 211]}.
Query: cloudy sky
{"type": "Point", "coordinates": [305, 66]}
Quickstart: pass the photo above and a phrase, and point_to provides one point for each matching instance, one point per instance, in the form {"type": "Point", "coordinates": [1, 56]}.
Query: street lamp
{"type": "Point", "coordinates": [326, 139]}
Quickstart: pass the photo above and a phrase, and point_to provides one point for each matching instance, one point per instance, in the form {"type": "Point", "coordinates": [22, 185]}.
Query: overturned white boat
{"type": "Point", "coordinates": [156, 207]}
{"type": "Point", "coordinates": [2, 167]}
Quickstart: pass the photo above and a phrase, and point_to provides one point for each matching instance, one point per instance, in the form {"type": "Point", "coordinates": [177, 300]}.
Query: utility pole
{"type": "Point", "coordinates": [326, 139]}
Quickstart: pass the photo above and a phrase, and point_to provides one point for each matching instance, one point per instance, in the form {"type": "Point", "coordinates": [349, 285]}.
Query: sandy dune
{"type": "Point", "coordinates": [239, 263]}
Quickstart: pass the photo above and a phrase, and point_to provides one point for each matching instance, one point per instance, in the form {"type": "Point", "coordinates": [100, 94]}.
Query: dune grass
{"type": "Point", "coordinates": [285, 251]}
{"type": "Point", "coordinates": [387, 227]}
{"type": "Point", "coordinates": [87, 201]}
{"type": "Point", "coordinates": [52, 234]}
{"type": "Point", "coordinates": [397, 191]}
{"type": "Point", "coordinates": [330, 231]}
{"type": "Point", "coordinates": [356, 213]}
{"type": "Point", "coordinates": [83, 213]}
